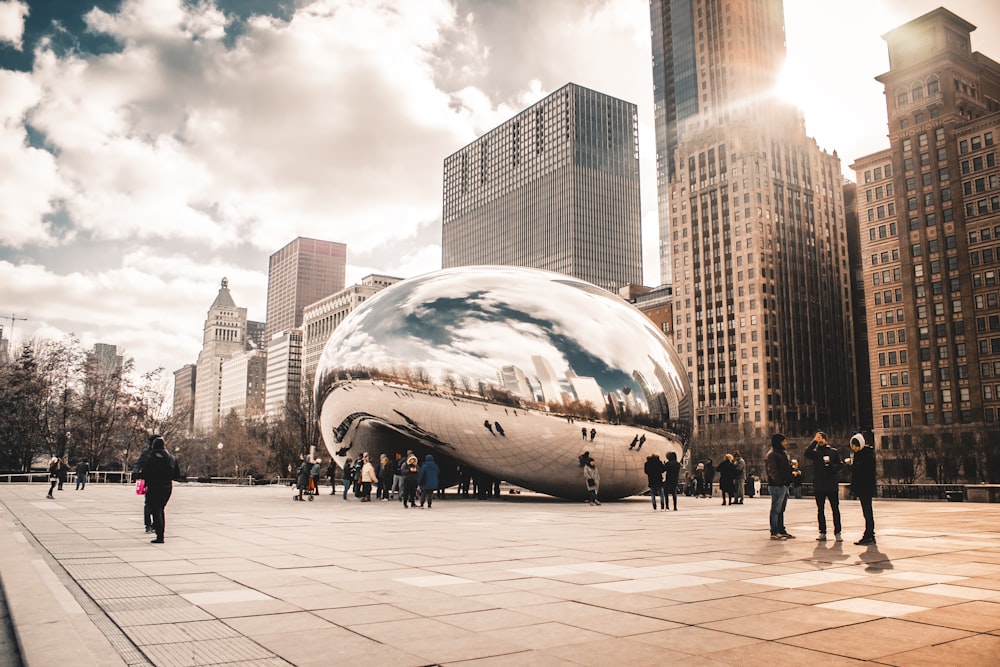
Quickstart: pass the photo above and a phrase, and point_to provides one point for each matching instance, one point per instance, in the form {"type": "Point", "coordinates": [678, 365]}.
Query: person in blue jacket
{"type": "Point", "coordinates": [427, 481]}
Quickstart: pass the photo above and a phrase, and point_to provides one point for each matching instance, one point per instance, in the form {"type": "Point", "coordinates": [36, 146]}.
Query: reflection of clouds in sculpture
{"type": "Point", "coordinates": [476, 336]}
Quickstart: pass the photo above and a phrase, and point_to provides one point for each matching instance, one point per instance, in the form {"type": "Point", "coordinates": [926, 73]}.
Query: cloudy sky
{"type": "Point", "coordinates": [148, 148]}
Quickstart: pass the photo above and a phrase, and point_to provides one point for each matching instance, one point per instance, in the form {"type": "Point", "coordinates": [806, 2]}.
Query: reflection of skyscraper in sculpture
{"type": "Point", "coordinates": [515, 382]}
{"type": "Point", "coordinates": [587, 390]}
{"type": "Point", "coordinates": [551, 393]}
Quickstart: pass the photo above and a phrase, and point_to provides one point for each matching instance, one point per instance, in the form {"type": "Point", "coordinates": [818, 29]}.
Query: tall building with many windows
{"type": "Point", "coordinates": [304, 271]}
{"type": "Point", "coordinates": [753, 234]}
{"type": "Point", "coordinates": [224, 338]}
{"type": "Point", "coordinates": [555, 187]}
{"type": "Point", "coordinates": [929, 210]}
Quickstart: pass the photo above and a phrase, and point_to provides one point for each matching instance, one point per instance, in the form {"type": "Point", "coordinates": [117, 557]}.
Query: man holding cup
{"type": "Point", "coordinates": [863, 485]}
{"type": "Point", "coordinates": [826, 469]}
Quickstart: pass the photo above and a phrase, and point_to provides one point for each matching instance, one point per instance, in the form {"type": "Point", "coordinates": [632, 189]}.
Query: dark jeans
{"type": "Point", "coordinates": [426, 496]}
{"type": "Point", "coordinates": [347, 486]}
{"type": "Point", "coordinates": [821, 498]}
{"type": "Point", "coordinates": [779, 498]}
{"type": "Point", "coordinates": [409, 492]}
{"type": "Point", "coordinates": [157, 498]}
{"type": "Point", "coordinates": [866, 510]}
{"type": "Point", "coordinates": [658, 492]}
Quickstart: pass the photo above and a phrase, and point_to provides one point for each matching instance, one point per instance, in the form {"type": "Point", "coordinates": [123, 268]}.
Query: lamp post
{"type": "Point", "coordinates": [218, 464]}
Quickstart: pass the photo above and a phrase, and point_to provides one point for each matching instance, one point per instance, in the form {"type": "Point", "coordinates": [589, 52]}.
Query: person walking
{"type": "Point", "coordinates": [593, 480]}
{"type": "Point", "coordinates": [672, 476]}
{"type": "Point", "coordinates": [427, 480]}
{"type": "Point", "coordinates": [159, 470]}
{"type": "Point", "coordinates": [826, 472]}
{"type": "Point", "coordinates": [654, 475]}
{"type": "Point", "coordinates": [741, 476]}
{"type": "Point", "coordinates": [779, 476]}
{"type": "Point", "coordinates": [82, 470]}
{"type": "Point", "coordinates": [54, 464]}
{"type": "Point", "coordinates": [314, 473]}
{"type": "Point", "coordinates": [862, 462]}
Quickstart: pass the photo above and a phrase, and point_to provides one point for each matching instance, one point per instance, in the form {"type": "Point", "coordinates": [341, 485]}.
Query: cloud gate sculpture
{"type": "Point", "coordinates": [508, 371]}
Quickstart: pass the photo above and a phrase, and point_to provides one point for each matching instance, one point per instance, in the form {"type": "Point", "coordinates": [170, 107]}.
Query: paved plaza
{"type": "Point", "coordinates": [248, 577]}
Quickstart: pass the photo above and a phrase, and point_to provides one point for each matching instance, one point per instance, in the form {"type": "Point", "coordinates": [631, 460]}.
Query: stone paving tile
{"type": "Point", "coordinates": [877, 638]}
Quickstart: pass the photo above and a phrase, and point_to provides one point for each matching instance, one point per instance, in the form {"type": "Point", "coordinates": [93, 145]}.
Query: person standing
{"type": "Point", "coordinates": [159, 471]}
{"type": "Point", "coordinates": [796, 480]}
{"type": "Point", "coordinates": [593, 480]}
{"type": "Point", "coordinates": [368, 477]}
{"type": "Point", "coordinates": [147, 516]}
{"type": "Point", "coordinates": [410, 472]}
{"type": "Point", "coordinates": [331, 471]}
{"type": "Point", "coordinates": [348, 477]}
{"type": "Point", "coordinates": [314, 473]}
{"type": "Point", "coordinates": [779, 476]}
{"type": "Point", "coordinates": [654, 475]}
{"type": "Point", "coordinates": [862, 464]}
{"type": "Point", "coordinates": [727, 476]}
{"type": "Point", "coordinates": [54, 464]}
{"type": "Point", "coordinates": [397, 477]}
{"type": "Point", "coordinates": [672, 477]}
{"type": "Point", "coordinates": [304, 475]}
{"type": "Point", "coordinates": [82, 470]}
{"type": "Point", "coordinates": [63, 472]}
{"type": "Point", "coordinates": [826, 470]}
{"type": "Point", "coordinates": [741, 476]}
{"type": "Point", "coordinates": [427, 480]}
{"type": "Point", "coordinates": [709, 478]}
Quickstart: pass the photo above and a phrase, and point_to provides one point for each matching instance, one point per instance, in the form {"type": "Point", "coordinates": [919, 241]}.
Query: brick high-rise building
{"type": "Point", "coordinates": [929, 210]}
{"type": "Point", "coordinates": [752, 228]}
{"type": "Point", "coordinates": [304, 271]}
{"type": "Point", "coordinates": [556, 187]}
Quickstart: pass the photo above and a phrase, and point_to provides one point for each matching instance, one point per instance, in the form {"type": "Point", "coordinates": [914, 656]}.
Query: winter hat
{"type": "Point", "coordinates": [858, 439]}
{"type": "Point", "coordinates": [776, 439]}
{"type": "Point", "coordinates": [158, 442]}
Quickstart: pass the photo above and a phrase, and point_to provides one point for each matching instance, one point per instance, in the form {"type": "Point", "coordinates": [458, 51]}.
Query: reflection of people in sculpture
{"type": "Point", "coordinates": [488, 425]}
{"type": "Point", "coordinates": [583, 432]}
{"type": "Point", "coordinates": [634, 442]}
{"type": "Point", "coordinates": [593, 434]}
{"type": "Point", "coordinates": [499, 429]}
{"type": "Point", "coordinates": [642, 441]}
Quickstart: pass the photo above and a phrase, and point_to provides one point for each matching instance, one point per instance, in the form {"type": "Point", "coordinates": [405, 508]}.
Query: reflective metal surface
{"type": "Point", "coordinates": [513, 372]}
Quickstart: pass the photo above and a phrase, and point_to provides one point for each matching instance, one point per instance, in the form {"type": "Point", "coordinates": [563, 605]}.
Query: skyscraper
{"type": "Point", "coordinates": [929, 210]}
{"type": "Point", "coordinates": [304, 271]}
{"type": "Point", "coordinates": [555, 187]}
{"type": "Point", "coordinates": [224, 337]}
{"type": "Point", "coordinates": [752, 226]}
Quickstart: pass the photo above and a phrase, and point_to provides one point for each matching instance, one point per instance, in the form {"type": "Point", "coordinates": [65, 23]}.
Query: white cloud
{"type": "Point", "coordinates": [12, 15]}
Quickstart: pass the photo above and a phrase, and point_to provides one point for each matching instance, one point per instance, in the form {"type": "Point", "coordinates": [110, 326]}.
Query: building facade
{"type": "Point", "coordinates": [753, 228]}
{"type": "Point", "coordinates": [929, 210]}
{"type": "Point", "coordinates": [322, 317]}
{"type": "Point", "coordinates": [304, 271]}
{"type": "Point", "coordinates": [184, 387]}
{"type": "Point", "coordinates": [284, 372]}
{"type": "Point", "coordinates": [241, 385]}
{"type": "Point", "coordinates": [224, 337]}
{"type": "Point", "coordinates": [556, 187]}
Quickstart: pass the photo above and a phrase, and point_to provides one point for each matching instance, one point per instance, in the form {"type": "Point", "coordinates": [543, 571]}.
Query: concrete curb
{"type": "Point", "coordinates": [51, 626]}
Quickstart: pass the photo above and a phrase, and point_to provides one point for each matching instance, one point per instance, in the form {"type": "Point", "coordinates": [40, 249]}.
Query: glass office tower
{"type": "Point", "coordinates": [556, 187]}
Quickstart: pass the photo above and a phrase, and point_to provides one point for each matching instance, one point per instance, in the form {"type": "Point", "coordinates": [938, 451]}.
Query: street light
{"type": "Point", "coordinates": [218, 464]}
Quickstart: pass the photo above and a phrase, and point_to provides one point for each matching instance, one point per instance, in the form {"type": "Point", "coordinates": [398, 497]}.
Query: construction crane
{"type": "Point", "coordinates": [13, 318]}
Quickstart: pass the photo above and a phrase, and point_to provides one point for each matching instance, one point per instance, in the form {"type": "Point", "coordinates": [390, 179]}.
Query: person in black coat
{"type": "Point", "coordinates": [727, 478]}
{"type": "Point", "coordinates": [147, 517]}
{"type": "Point", "coordinates": [654, 475]}
{"type": "Point", "coordinates": [863, 483]}
{"type": "Point", "coordinates": [159, 470]}
{"type": "Point", "coordinates": [826, 470]}
{"type": "Point", "coordinates": [672, 477]}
